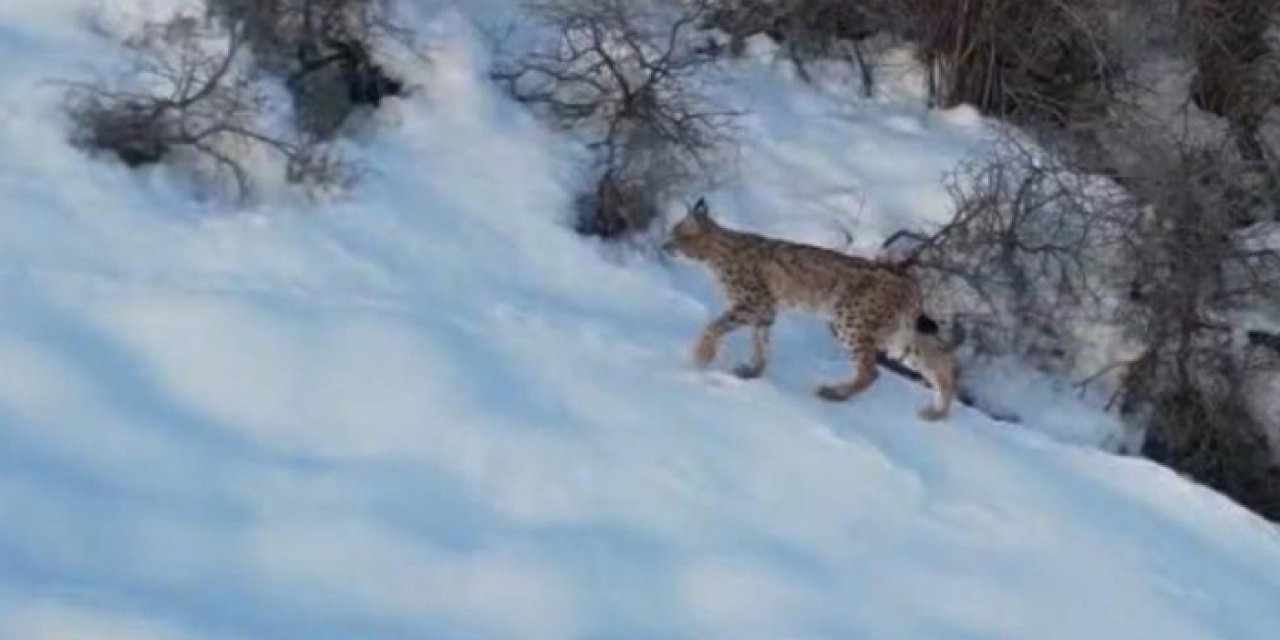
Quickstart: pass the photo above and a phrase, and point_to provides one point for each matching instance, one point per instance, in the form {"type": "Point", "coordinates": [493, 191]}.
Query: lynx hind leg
{"type": "Point", "coordinates": [858, 336]}
{"type": "Point", "coordinates": [939, 368]}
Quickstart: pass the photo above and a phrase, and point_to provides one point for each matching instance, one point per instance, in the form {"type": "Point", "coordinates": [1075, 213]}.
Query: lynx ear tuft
{"type": "Point", "coordinates": [700, 211]}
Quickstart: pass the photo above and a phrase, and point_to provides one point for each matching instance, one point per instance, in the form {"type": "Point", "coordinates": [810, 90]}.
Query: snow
{"type": "Point", "coordinates": [432, 411]}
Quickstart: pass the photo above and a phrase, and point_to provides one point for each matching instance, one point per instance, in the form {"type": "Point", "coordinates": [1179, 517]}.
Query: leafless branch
{"type": "Point", "coordinates": [623, 76]}
{"type": "Point", "coordinates": [192, 90]}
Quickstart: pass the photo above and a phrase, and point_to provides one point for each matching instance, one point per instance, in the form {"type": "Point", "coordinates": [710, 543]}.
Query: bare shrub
{"type": "Point", "coordinates": [1235, 63]}
{"type": "Point", "coordinates": [808, 29]}
{"type": "Point", "coordinates": [619, 205]}
{"type": "Point", "coordinates": [1036, 251]}
{"type": "Point", "coordinates": [1204, 432]}
{"type": "Point", "coordinates": [1236, 73]}
{"type": "Point", "coordinates": [622, 75]}
{"type": "Point", "coordinates": [324, 50]}
{"type": "Point", "coordinates": [811, 26]}
{"type": "Point", "coordinates": [1193, 268]}
{"type": "Point", "coordinates": [191, 96]}
{"type": "Point", "coordinates": [1044, 62]}
{"type": "Point", "coordinates": [1024, 260]}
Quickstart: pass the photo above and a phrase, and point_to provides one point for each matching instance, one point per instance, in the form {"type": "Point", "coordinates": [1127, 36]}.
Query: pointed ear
{"type": "Point", "coordinates": [700, 211]}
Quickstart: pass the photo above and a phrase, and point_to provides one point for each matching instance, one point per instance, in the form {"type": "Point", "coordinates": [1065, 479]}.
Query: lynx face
{"type": "Point", "coordinates": [692, 236]}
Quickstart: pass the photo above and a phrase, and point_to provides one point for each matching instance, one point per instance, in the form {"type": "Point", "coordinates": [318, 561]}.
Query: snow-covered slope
{"type": "Point", "coordinates": [433, 412]}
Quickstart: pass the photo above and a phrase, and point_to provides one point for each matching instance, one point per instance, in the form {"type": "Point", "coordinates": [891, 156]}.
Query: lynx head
{"type": "Point", "coordinates": [692, 236]}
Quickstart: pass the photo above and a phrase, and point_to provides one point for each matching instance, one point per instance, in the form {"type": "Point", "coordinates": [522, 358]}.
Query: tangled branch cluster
{"type": "Point", "coordinates": [192, 94]}
{"type": "Point", "coordinates": [630, 90]}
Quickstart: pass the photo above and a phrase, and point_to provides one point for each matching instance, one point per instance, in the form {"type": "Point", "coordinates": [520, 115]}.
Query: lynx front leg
{"type": "Point", "coordinates": [705, 349]}
{"type": "Point", "coordinates": [759, 352]}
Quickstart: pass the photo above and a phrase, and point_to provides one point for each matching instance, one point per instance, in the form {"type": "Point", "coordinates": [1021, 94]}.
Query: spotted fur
{"type": "Point", "coordinates": [873, 306]}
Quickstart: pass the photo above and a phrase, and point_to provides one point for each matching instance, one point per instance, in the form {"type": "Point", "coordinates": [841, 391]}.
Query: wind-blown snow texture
{"type": "Point", "coordinates": [433, 412]}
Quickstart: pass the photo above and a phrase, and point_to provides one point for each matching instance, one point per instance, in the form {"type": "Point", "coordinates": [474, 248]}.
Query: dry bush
{"type": "Point", "coordinates": [808, 29]}
{"type": "Point", "coordinates": [191, 96]}
{"type": "Point", "coordinates": [623, 76]}
{"type": "Point", "coordinates": [1205, 432]}
{"type": "Point", "coordinates": [1048, 63]}
{"type": "Point", "coordinates": [1193, 268]}
{"type": "Point", "coordinates": [1234, 58]}
{"type": "Point", "coordinates": [618, 206]}
{"type": "Point", "coordinates": [1237, 73]}
{"type": "Point", "coordinates": [1037, 251]}
{"type": "Point", "coordinates": [1024, 260]}
{"type": "Point", "coordinates": [1042, 62]}
{"type": "Point", "coordinates": [324, 50]}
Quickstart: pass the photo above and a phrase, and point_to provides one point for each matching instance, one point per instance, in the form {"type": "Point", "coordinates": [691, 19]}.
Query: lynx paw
{"type": "Point", "coordinates": [834, 393]}
{"type": "Point", "coordinates": [704, 353]}
{"type": "Point", "coordinates": [931, 414]}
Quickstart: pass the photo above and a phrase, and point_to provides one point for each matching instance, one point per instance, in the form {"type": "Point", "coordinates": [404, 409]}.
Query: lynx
{"type": "Point", "coordinates": [871, 305]}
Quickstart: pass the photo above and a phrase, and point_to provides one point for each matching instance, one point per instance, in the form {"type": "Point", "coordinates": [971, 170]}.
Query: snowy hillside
{"type": "Point", "coordinates": [432, 411]}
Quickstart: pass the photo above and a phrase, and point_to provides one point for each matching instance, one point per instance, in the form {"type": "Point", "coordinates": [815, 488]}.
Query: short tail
{"type": "Point", "coordinates": [926, 325]}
